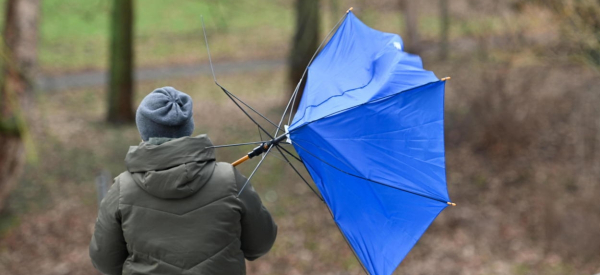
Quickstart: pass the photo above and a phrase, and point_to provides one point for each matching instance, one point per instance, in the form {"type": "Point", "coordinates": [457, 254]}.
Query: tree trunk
{"type": "Point", "coordinates": [411, 43]}
{"type": "Point", "coordinates": [120, 94]}
{"type": "Point", "coordinates": [19, 62]}
{"type": "Point", "coordinates": [305, 43]}
{"type": "Point", "coordinates": [334, 6]}
{"type": "Point", "coordinates": [444, 29]}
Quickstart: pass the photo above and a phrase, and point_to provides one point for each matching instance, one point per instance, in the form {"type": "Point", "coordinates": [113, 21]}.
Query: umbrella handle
{"type": "Point", "coordinates": [240, 161]}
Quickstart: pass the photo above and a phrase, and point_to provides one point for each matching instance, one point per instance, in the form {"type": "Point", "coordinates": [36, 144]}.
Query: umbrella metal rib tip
{"type": "Point", "coordinates": [445, 78]}
{"type": "Point", "coordinates": [451, 203]}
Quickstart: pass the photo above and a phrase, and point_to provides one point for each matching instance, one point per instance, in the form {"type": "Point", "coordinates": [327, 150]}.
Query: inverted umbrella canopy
{"type": "Point", "coordinates": [370, 130]}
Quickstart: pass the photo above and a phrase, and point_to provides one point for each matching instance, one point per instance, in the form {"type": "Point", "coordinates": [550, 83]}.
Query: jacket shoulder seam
{"type": "Point", "coordinates": [182, 214]}
{"type": "Point", "coordinates": [197, 264]}
{"type": "Point", "coordinates": [157, 259]}
{"type": "Point", "coordinates": [216, 253]}
{"type": "Point", "coordinates": [118, 189]}
{"type": "Point", "coordinates": [235, 187]}
{"type": "Point", "coordinates": [119, 182]}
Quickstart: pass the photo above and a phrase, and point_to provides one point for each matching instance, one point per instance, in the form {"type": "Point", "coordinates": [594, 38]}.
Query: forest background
{"type": "Point", "coordinates": [522, 122]}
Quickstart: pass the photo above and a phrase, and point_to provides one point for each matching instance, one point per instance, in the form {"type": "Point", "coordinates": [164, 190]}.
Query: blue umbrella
{"type": "Point", "coordinates": [370, 131]}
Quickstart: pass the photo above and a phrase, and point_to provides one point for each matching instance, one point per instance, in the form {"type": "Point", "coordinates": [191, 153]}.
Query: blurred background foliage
{"type": "Point", "coordinates": [522, 129]}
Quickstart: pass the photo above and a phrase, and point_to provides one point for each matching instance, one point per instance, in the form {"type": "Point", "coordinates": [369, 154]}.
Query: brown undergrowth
{"type": "Point", "coordinates": [525, 201]}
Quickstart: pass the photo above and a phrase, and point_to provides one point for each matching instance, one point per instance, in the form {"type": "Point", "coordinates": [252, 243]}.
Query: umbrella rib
{"type": "Point", "coordinates": [254, 171]}
{"type": "Point", "coordinates": [346, 239]}
{"type": "Point", "coordinates": [330, 153]}
{"type": "Point", "coordinates": [363, 178]}
{"type": "Point", "coordinates": [365, 103]}
{"type": "Point", "coordinates": [208, 49]}
{"type": "Point", "coordinates": [292, 155]}
{"type": "Point", "coordinates": [257, 112]}
{"type": "Point", "coordinates": [229, 94]}
{"type": "Point", "coordinates": [242, 109]}
{"type": "Point", "coordinates": [288, 104]}
{"type": "Point", "coordinates": [236, 144]}
{"type": "Point", "coordinates": [298, 172]}
{"type": "Point", "coordinates": [259, 133]}
{"type": "Point", "coordinates": [295, 93]}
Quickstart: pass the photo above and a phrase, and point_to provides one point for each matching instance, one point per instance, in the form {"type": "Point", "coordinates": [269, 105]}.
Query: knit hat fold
{"type": "Point", "coordinates": [165, 112]}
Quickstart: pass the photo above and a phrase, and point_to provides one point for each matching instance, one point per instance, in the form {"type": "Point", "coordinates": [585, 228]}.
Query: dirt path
{"type": "Point", "coordinates": [99, 78]}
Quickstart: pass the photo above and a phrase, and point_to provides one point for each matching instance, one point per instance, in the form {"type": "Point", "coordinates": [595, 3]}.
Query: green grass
{"type": "Point", "coordinates": [74, 35]}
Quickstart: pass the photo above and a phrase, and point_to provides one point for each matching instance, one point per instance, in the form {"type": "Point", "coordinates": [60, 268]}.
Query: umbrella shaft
{"type": "Point", "coordinates": [260, 149]}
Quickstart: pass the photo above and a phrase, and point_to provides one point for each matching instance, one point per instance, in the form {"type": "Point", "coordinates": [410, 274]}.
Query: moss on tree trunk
{"type": "Point", "coordinates": [18, 63]}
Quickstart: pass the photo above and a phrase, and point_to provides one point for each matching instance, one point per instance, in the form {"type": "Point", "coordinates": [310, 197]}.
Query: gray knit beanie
{"type": "Point", "coordinates": [165, 112]}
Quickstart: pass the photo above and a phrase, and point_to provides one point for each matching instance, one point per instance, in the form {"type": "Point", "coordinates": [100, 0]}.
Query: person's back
{"type": "Point", "coordinates": [176, 211]}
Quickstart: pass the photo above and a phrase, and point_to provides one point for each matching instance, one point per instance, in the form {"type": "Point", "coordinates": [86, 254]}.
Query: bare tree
{"type": "Point", "coordinates": [411, 19]}
{"type": "Point", "coordinates": [305, 42]}
{"type": "Point", "coordinates": [120, 94]}
{"type": "Point", "coordinates": [18, 60]}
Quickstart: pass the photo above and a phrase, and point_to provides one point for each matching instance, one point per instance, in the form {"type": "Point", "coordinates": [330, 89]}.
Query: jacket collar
{"type": "Point", "coordinates": [151, 157]}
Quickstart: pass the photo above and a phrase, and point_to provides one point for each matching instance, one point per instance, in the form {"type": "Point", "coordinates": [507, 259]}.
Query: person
{"type": "Point", "coordinates": [176, 210]}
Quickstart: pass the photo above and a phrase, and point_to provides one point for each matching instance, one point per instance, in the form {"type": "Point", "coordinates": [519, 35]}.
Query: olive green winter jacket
{"type": "Point", "coordinates": [176, 211]}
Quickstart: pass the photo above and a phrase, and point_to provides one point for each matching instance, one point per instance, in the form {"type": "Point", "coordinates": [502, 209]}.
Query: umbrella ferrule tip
{"type": "Point", "coordinates": [350, 9]}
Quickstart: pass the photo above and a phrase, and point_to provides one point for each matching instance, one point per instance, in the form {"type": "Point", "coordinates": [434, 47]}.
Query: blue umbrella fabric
{"type": "Point", "coordinates": [370, 131]}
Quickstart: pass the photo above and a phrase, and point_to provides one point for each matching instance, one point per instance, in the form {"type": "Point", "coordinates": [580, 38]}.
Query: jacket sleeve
{"type": "Point", "coordinates": [108, 248]}
{"type": "Point", "coordinates": [258, 228]}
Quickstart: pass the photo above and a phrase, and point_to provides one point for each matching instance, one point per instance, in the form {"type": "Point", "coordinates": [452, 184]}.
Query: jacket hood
{"type": "Point", "coordinates": [172, 170]}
